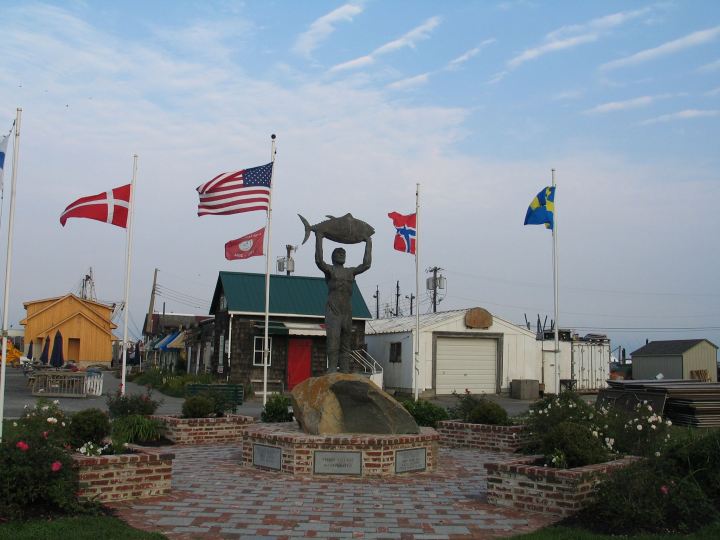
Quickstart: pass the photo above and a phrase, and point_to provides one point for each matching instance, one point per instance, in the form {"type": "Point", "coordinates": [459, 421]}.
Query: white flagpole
{"type": "Point", "coordinates": [8, 268]}
{"type": "Point", "coordinates": [266, 349]}
{"type": "Point", "coordinates": [131, 211]}
{"type": "Point", "coordinates": [555, 291]}
{"type": "Point", "coordinates": [416, 365]}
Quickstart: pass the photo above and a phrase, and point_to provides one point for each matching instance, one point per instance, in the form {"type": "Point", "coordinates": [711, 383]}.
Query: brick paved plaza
{"type": "Point", "coordinates": [214, 497]}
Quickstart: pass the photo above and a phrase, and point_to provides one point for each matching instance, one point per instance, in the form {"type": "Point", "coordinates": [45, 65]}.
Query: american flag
{"type": "Point", "coordinates": [236, 192]}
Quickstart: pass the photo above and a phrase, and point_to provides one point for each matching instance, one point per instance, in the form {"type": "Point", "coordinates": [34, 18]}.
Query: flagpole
{"type": "Point", "coordinates": [131, 211]}
{"type": "Point", "coordinates": [555, 290]}
{"type": "Point", "coordinates": [266, 349]}
{"type": "Point", "coordinates": [8, 267]}
{"type": "Point", "coordinates": [416, 365]}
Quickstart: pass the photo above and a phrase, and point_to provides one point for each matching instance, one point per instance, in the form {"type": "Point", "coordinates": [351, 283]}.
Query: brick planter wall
{"type": "Point", "coordinates": [459, 434]}
{"type": "Point", "coordinates": [378, 451]}
{"type": "Point", "coordinates": [522, 485]}
{"type": "Point", "coordinates": [205, 430]}
{"type": "Point", "coordinates": [146, 473]}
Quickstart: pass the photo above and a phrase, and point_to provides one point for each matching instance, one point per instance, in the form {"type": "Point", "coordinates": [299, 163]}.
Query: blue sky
{"type": "Point", "coordinates": [477, 101]}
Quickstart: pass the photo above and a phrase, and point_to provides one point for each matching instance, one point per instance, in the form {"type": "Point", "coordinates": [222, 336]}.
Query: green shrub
{"type": "Point", "coordinates": [573, 445]}
{"type": "Point", "coordinates": [198, 407]}
{"type": "Point", "coordinates": [150, 377]}
{"type": "Point", "coordinates": [488, 412]}
{"type": "Point", "coordinates": [277, 409]}
{"type": "Point", "coordinates": [90, 425]}
{"type": "Point", "coordinates": [425, 413]}
{"type": "Point", "coordinates": [131, 404]}
{"type": "Point", "coordinates": [647, 497]}
{"type": "Point", "coordinates": [36, 477]}
{"type": "Point", "coordinates": [136, 428]}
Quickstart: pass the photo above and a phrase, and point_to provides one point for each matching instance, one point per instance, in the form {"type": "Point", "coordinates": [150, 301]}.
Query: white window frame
{"type": "Point", "coordinates": [257, 350]}
{"type": "Point", "coordinates": [397, 359]}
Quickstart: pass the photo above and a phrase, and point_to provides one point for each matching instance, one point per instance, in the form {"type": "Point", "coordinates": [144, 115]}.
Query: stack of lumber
{"type": "Point", "coordinates": [686, 402]}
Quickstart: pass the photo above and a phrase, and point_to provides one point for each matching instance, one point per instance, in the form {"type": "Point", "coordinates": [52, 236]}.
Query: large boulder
{"type": "Point", "coordinates": [348, 403]}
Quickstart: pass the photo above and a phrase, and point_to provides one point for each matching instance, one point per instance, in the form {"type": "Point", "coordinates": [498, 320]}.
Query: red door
{"type": "Point", "coordinates": [299, 354]}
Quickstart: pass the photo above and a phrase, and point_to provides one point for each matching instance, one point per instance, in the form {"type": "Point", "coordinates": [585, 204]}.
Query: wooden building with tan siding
{"type": "Point", "coordinates": [676, 359]}
{"type": "Point", "coordinates": [86, 328]}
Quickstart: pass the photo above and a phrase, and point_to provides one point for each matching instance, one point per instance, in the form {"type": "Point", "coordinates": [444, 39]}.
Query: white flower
{"type": "Point", "coordinates": [595, 433]}
{"type": "Point", "coordinates": [668, 422]}
{"type": "Point", "coordinates": [52, 420]}
{"type": "Point", "coordinates": [639, 427]}
{"type": "Point", "coordinates": [590, 417]}
{"type": "Point", "coordinates": [62, 424]}
{"type": "Point", "coordinates": [82, 449]}
{"type": "Point", "coordinates": [56, 401]}
{"type": "Point", "coordinates": [657, 454]}
{"type": "Point", "coordinates": [45, 407]}
{"type": "Point", "coordinates": [645, 402]}
{"type": "Point", "coordinates": [14, 424]}
{"type": "Point", "coordinates": [653, 426]}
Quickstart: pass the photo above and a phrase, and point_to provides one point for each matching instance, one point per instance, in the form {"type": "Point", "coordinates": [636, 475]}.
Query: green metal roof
{"type": "Point", "coordinates": [289, 295]}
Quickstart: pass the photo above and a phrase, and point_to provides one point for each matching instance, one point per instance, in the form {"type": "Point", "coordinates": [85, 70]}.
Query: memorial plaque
{"type": "Point", "coordinates": [412, 459]}
{"type": "Point", "coordinates": [269, 457]}
{"type": "Point", "coordinates": [329, 462]}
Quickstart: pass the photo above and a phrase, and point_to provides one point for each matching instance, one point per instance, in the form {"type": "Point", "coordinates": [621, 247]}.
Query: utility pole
{"type": "Point", "coordinates": [148, 323]}
{"type": "Point", "coordinates": [376, 296]}
{"type": "Point", "coordinates": [288, 269]}
{"type": "Point", "coordinates": [411, 298]}
{"type": "Point", "coordinates": [434, 283]}
{"type": "Point", "coordinates": [397, 299]}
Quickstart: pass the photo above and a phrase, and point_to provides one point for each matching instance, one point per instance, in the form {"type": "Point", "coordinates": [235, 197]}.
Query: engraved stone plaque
{"type": "Point", "coordinates": [329, 462]}
{"type": "Point", "coordinates": [269, 457]}
{"type": "Point", "coordinates": [412, 459]}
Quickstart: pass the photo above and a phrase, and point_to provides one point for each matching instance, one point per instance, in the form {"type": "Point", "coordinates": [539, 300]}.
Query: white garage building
{"type": "Point", "coordinates": [463, 349]}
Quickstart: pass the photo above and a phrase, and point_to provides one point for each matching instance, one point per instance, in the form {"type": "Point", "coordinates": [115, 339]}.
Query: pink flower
{"type": "Point", "coordinates": [45, 434]}
{"type": "Point", "coordinates": [56, 466]}
{"type": "Point", "coordinates": [22, 445]}
{"type": "Point", "coordinates": [664, 490]}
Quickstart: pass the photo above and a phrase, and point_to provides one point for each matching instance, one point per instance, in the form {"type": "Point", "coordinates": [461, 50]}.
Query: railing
{"type": "Point", "coordinates": [94, 384]}
{"type": "Point", "coordinates": [59, 384]}
{"type": "Point", "coordinates": [369, 365]}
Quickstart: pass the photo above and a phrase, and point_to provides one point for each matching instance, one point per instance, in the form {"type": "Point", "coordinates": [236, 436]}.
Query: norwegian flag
{"type": "Point", "coordinates": [236, 192]}
{"type": "Point", "coordinates": [405, 231]}
{"type": "Point", "coordinates": [111, 207]}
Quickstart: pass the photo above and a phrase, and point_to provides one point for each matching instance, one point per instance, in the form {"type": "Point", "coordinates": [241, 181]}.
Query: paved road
{"type": "Point", "coordinates": [214, 496]}
{"type": "Point", "coordinates": [17, 395]}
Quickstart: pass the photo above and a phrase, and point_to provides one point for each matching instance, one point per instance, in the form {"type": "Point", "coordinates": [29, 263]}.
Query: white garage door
{"type": "Point", "coordinates": [466, 363]}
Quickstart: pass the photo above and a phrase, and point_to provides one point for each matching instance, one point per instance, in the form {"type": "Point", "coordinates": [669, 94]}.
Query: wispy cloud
{"type": "Point", "coordinates": [457, 62]}
{"type": "Point", "coordinates": [635, 103]}
{"type": "Point", "coordinates": [410, 39]}
{"type": "Point", "coordinates": [712, 66]}
{"type": "Point", "coordinates": [713, 92]}
{"type": "Point", "coordinates": [497, 77]}
{"type": "Point", "coordinates": [691, 40]}
{"type": "Point", "coordinates": [568, 95]}
{"type": "Point", "coordinates": [322, 27]}
{"type": "Point", "coordinates": [410, 82]}
{"type": "Point", "coordinates": [687, 114]}
{"type": "Point", "coordinates": [567, 37]}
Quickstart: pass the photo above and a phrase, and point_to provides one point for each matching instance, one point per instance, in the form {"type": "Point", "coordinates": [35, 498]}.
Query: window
{"type": "Point", "coordinates": [396, 352]}
{"type": "Point", "coordinates": [223, 303]}
{"type": "Point", "coordinates": [258, 353]}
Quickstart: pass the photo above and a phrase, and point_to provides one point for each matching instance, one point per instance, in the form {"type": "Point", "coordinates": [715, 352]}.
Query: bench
{"type": "Point", "coordinates": [234, 393]}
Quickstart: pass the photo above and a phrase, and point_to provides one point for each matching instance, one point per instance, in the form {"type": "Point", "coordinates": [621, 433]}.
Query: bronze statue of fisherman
{"type": "Point", "coordinates": [340, 279]}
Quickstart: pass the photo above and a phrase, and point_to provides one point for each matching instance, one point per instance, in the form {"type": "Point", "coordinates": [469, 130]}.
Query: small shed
{"type": "Point", "coordinates": [676, 359]}
{"type": "Point", "coordinates": [461, 349]}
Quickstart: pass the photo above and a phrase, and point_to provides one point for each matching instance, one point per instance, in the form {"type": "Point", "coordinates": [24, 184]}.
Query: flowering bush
{"type": "Point", "coordinates": [36, 477]}
{"type": "Point", "coordinates": [92, 449]}
{"type": "Point", "coordinates": [616, 431]}
{"type": "Point", "coordinates": [46, 420]}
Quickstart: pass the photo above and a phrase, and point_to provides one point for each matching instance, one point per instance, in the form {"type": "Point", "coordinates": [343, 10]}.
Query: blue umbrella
{"type": "Point", "coordinates": [56, 358]}
{"type": "Point", "coordinates": [46, 351]}
{"type": "Point", "coordinates": [30, 348]}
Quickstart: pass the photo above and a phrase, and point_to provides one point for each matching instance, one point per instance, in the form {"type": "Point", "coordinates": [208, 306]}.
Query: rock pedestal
{"type": "Point", "coordinates": [348, 403]}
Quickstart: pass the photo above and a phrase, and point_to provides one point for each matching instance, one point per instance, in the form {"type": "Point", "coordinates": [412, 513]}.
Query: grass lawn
{"type": "Point", "coordinates": [567, 533]}
{"type": "Point", "coordinates": [74, 528]}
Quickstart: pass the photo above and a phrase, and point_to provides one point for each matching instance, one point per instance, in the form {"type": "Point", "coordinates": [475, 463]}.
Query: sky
{"type": "Point", "coordinates": [475, 101]}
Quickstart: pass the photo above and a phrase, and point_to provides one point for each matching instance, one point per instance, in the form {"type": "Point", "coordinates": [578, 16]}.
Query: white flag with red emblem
{"type": "Point", "coordinates": [250, 245]}
{"type": "Point", "coordinates": [111, 207]}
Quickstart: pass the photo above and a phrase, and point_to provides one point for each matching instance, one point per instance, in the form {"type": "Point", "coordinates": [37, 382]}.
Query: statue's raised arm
{"type": "Point", "coordinates": [319, 260]}
{"type": "Point", "coordinates": [367, 258]}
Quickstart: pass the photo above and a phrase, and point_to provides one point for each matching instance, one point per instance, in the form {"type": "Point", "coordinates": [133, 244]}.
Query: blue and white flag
{"type": "Point", "coordinates": [3, 153]}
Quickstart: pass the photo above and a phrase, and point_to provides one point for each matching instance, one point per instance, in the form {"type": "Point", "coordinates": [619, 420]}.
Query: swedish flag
{"type": "Point", "coordinates": [542, 209]}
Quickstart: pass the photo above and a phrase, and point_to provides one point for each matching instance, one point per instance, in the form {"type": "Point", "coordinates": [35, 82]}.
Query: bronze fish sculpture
{"type": "Point", "coordinates": [343, 230]}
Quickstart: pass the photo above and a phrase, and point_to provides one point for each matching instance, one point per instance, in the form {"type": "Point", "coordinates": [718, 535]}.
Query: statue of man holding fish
{"type": "Point", "coordinates": [340, 279]}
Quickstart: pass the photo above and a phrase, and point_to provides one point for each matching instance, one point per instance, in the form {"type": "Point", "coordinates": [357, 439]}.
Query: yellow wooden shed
{"type": "Point", "coordinates": [85, 325]}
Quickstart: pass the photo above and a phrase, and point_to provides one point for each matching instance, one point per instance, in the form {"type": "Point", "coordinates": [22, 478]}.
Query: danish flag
{"type": "Point", "coordinates": [111, 207]}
